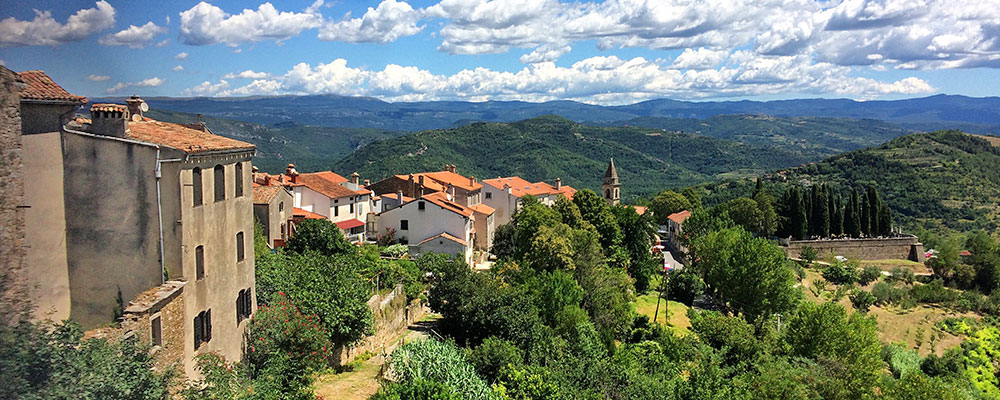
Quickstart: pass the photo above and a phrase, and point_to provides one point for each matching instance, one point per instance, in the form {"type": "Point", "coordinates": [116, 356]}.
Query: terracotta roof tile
{"type": "Point", "coordinates": [300, 213]}
{"type": "Point", "coordinates": [520, 187]}
{"type": "Point", "coordinates": [679, 217]}
{"type": "Point", "coordinates": [639, 209]}
{"type": "Point", "coordinates": [441, 199]}
{"type": "Point", "coordinates": [482, 209]}
{"type": "Point", "coordinates": [38, 86]}
{"type": "Point", "coordinates": [264, 194]}
{"type": "Point", "coordinates": [108, 107]}
{"type": "Point", "coordinates": [444, 235]}
{"type": "Point", "coordinates": [322, 184]}
{"type": "Point", "coordinates": [351, 223]}
{"type": "Point", "coordinates": [182, 137]}
{"type": "Point", "coordinates": [439, 181]}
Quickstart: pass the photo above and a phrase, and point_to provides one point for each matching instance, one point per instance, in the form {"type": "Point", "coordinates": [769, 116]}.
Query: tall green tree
{"type": "Point", "coordinates": [749, 275]}
{"type": "Point", "coordinates": [884, 220]}
{"type": "Point", "coordinates": [320, 235]}
{"type": "Point", "coordinates": [820, 219]}
{"type": "Point", "coordinates": [836, 215]}
{"type": "Point", "coordinates": [666, 203]}
{"type": "Point", "coordinates": [768, 214]}
{"type": "Point", "coordinates": [865, 213]}
{"type": "Point", "coordinates": [799, 217]}
{"type": "Point", "coordinates": [637, 239]}
{"type": "Point", "coordinates": [852, 216]}
{"type": "Point", "coordinates": [693, 194]}
{"type": "Point", "coordinates": [874, 205]}
{"type": "Point", "coordinates": [595, 210]}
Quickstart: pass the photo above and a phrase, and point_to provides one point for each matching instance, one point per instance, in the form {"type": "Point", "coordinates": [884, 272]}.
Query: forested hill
{"type": "Point", "coordinates": [814, 137]}
{"type": "Point", "coordinates": [309, 147]}
{"type": "Point", "coordinates": [544, 148]}
{"type": "Point", "coordinates": [941, 179]}
{"type": "Point", "coordinates": [978, 115]}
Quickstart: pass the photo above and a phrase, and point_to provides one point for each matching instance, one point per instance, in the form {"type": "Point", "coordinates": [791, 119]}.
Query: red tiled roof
{"type": "Point", "coordinates": [300, 213]}
{"type": "Point", "coordinates": [406, 199]}
{"type": "Point", "coordinates": [351, 223]}
{"type": "Point", "coordinates": [520, 187]}
{"type": "Point", "coordinates": [439, 181]}
{"type": "Point", "coordinates": [639, 209]}
{"type": "Point", "coordinates": [182, 137]}
{"type": "Point", "coordinates": [328, 175]}
{"type": "Point", "coordinates": [322, 184]}
{"type": "Point", "coordinates": [965, 253]}
{"type": "Point", "coordinates": [108, 107]}
{"type": "Point", "coordinates": [264, 194]}
{"type": "Point", "coordinates": [482, 209]}
{"type": "Point", "coordinates": [38, 86]}
{"type": "Point", "coordinates": [444, 235]}
{"type": "Point", "coordinates": [679, 217]}
{"type": "Point", "coordinates": [441, 199]}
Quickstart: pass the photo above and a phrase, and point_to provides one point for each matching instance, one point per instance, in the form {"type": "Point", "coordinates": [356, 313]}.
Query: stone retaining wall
{"type": "Point", "coordinates": [392, 316]}
{"type": "Point", "coordinates": [903, 248]}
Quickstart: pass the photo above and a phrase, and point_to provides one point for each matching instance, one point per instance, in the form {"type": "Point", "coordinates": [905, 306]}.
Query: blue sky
{"type": "Point", "coordinates": [610, 52]}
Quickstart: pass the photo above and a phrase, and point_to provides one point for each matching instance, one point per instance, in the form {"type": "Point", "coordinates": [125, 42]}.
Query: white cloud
{"type": "Point", "coordinates": [248, 74]}
{"type": "Point", "coordinates": [206, 24]}
{"type": "Point", "coordinates": [151, 82]}
{"type": "Point", "coordinates": [607, 80]}
{"type": "Point", "coordinates": [389, 21]}
{"type": "Point", "coordinates": [44, 30]}
{"type": "Point", "coordinates": [700, 58]}
{"type": "Point", "coordinates": [178, 68]}
{"type": "Point", "coordinates": [135, 37]}
{"type": "Point", "coordinates": [181, 56]}
{"type": "Point", "coordinates": [97, 78]}
{"type": "Point", "coordinates": [163, 42]}
{"type": "Point", "coordinates": [545, 53]}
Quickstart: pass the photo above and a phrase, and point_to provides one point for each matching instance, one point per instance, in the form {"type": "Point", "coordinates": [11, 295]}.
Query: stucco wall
{"type": "Point", "coordinates": [12, 249]}
{"type": "Point", "coordinates": [214, 225]}
{"type": "Point", "coordinates": [271, 216]}
{"type": "Point", "coordinates": [112, 224]}
{"type": "Point", "coordinates": [904, 248]}
{"type": "Point", "coordinates": [423, 224]}
{"type": "Point", "coordinates": [45, 226]}
{"type": "Point", "coordinates": [41, 118]}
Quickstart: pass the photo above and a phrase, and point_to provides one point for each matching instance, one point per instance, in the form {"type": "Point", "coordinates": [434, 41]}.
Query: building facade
{"type": "Point", "coordinates": [504, 195]}
{"type": "Point", "coordinates": [611, 187]}
{"type": "Point", "coordinates": [433, 223]}
{"type": "Point", "coordinates": [272, 209]}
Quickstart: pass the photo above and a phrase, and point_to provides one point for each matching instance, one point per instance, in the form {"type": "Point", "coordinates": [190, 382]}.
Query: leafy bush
{"type": "Point", "coordinates": [901, 274]}
{"type": "Point", "coordinates": [417, 389]}
{"type": "Point", "coordinates": [840, 274]}
{"type": "Point", "coordinates": [287, 342]}
{"type": "Point", "coordinates": [862, 300]}
{"type": "Point", "coordinates": [438, 362]}
{"type": "Point", "coordinates": [957, 325]}
{"type": "Point", "coordinates": [933, 292]}
{"type": "Point", "coordinates": [395, 250]}
{"type": "Point", "coordinates": [808, 254]}
{"type": "Point", "coordinates": [885, 293]}
{"type": "Point", "coordinates": [901, 361]}
{"type": "Point", "coordinates": [493, 355]}
{"type": "Point", "coordinates": [684, 286]}
{"type": "Point", "coordinates": [869, 274]}
{"type": "Point", "coordinates": [320, 235]}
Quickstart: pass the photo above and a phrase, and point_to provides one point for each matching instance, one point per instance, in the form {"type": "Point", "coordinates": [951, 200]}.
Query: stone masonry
{"type": "Point", "coordinates": [12, 243]}
{"type": "Point", "coordinates": [902, 248]}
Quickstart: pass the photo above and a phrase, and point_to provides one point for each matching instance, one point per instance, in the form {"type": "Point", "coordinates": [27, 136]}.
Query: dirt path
{"type": "Point", "coordinates": [362, 382]}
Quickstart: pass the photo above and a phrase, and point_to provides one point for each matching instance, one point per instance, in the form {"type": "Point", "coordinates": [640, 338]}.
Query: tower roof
{"type": "Point", "coordinates": [611, 175]}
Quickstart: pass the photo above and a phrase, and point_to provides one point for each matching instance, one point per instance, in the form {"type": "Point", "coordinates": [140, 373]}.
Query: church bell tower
{"type": "Point", "coordinates": [611, 187]}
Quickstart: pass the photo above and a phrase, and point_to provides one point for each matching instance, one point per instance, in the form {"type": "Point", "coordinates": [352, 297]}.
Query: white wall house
{"type": "Point", "coordinates": [432, 223]}
{"type": "Point", "coordinates": [345, 203]}
{"type": "Point", "coordinates": [504, 195]}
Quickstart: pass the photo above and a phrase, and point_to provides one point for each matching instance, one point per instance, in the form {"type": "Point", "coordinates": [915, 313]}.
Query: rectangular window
{"type": "Point", "coordinates": [240, 248]}
{"type": "Point", "coordinates": [336, 211]}
{"type": "Point", "coordinates": [238, 179]}
{"type": "Point", "coordinates": [420, 205]}
{"type": "Point", "coordinates": [404, 225]}
{"type": "Point", "coordinates": [489, 195]}
{"type": "Point", "coordinates": [196, 185]}
{"type": "Point", "coordinates": [244, 305]}
{"type": "Point", "coordinates": [350, 208]}
{"type": "Point", "coordinates": [199, 262]}
{"type": "Point", "coordinates": [202, 328]}
{"type": "Point", "coordinates": [281, 206]}
{"type": "Point", "coordinates": [156, 331]}
{"type": "Point", "coordinates": [220, 183]}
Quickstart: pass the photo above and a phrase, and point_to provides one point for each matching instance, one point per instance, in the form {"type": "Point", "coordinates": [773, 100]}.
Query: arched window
{"type": "Point", "coordinates": [196, 184]}
{"type": "Point", "coordinates": [239, 179]}
{"type": "Point", "coordinates": [220, 183]}
{"type": "Point", "coordinates": [607, 193]}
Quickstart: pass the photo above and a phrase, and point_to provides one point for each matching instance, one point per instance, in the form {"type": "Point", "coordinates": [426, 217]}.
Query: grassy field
{"type": "Point", "coordinates": [674, 317]}
{"type": "Point", "coordinates": [913, 327]}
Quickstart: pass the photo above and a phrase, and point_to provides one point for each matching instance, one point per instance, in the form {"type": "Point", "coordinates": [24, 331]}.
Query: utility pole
{"type": "Point", "coordinates": [659, 294]}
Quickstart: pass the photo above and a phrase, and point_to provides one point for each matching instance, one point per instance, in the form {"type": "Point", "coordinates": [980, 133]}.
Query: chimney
{"type": "Point", "coordinates": [135, 107]}
{"type": "Point", "coordinates": [558, 183]}
{"type": "Point", "coordinates": [399, 197]}
{"type": "Point", "coordinates": [451, 168]}
{"type": "Point", "coordinates": [292, 173]}
{"type": "Point", "coordinates": [472, 181]}
{"type": "Point", "coordinates": [355, 178]}
{"type": "Point", "coordinates": [368, 182]}
{"type": "Point", "coordinates": [109, 120]}
{"type": "Point", "coordinates": [421, 181]}
{"type": "Point", "coordinates": [199, 118]}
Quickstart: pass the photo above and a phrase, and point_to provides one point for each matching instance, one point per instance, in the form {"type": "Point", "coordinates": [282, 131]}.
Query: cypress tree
{"type": "Point", "coordinates": [812, 195]}
{"type": "Point", "coordinates": [885, 220]}
{"type": "Point", "coordinates": [864, 212]}
{"type": "Point", "coordinates": [874, 205]}
{"type": "Point", "coordinates": [852, 222]}
{"type": "Point", "coordinates": [799, 223]}
{"type": "Point", "coordinates": [836, 216]}
{"type": "Point", "coordinates": [757, 189]}
{"type": "Point", "coordinates": [820, 221]}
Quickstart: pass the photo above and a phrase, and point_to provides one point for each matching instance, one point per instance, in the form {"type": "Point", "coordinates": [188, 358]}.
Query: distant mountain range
{"type": "Point", "coordinates": [977, 115]}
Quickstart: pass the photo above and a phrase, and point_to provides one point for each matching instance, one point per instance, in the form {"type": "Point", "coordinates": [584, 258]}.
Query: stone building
{"type": "Point", "coordinates": [345, 202]}
{"type": "Point", "coordinates": [138, 220]}
{"type": "Point", "coordinates": [433, 223]}
{"type": "Point", "coordinates": [611, 187]}
{"type": "Point", "coordinates": [272, 208]}
{"type": "Point", "coordinates": [12, 242]}
{"type": "Point", "coordinates": [504, 194]}
{"type": "Point", "coordinates": [464, 190]}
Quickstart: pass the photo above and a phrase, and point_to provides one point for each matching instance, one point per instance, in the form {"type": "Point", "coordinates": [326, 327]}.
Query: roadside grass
{"type": "Point", "coordinates": [673, 315]}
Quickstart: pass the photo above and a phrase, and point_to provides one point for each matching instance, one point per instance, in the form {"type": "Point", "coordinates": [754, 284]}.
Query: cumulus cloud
{"type": "Point", "coordinates": [44, 30]}
{"type": "Point", "coordinates": [181, 56]}
{"type": "Point", "coordinates": [389, 21]}
{"type": "Point", "coordinates": [178, 68]}
{"type": "Point", "coordinates": [97, 78]}
{"type": "Point", "coordinates": [606, 80]}
{"type": "Point", "coordinates": [700, 58]}
{"type": "Point", "coordinates": [151, 82]}
{"type": "Point", "coordinates": [206, 24]}
{"type": "Point", "coordinates": [248, 74]}
{"type": "Point", "coordinates": [135, 37]}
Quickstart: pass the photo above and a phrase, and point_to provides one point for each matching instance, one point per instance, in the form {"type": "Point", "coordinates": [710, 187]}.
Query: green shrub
{"type": "Point", "coordinates": [840, 274]}
{"type": "Point", "coordinates": [901, 274]}
{"type": "Point", "coordinates": [933, 292]}
{"type": "Point", "coordinates": [901, 361]}
{"type": "Point", "coordinates": [287, 342]}
{"type": "Point", "coordinates": [438, 362]}
{"type": "Point", "coordinates": [493, 355]}
{"type": "Point", "coordinates": [395, 250]}
{"type": "Point", "coordinates": [885, 293]}
{"type": "Point", "coordinates": [684, 286]}
{"type": "Point", "coordinates": [869, 274]}
{"type": "Point", "coordinates": [862, 300]}
{"type": "Point", "coordinates": [417, 389]}
{"type": "Point", "coordinates": [808, 254]}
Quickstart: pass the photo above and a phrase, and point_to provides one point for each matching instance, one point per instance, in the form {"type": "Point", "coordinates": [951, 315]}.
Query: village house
{"type": "Point", "coordinates": [345, 202]}
{"type": "Point", "coordinates": [140, 221]}
{"type": "Point", "coordinates": [272, 208]}
{"type": "Point", "coordinates": [675, 227]}
{"type": "Point", "coordinates": [433, 223]}
{"type": "Point", "coordinates": [465, 190]}
{"type": "Point", "coordinates": [504, 194]}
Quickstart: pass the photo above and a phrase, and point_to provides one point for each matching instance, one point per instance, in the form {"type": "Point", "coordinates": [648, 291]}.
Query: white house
{"type": "Point", "coordinates": [345, 203]}
{"type": "Point", "coordinates": [433, 223]}
{"type": "Point", "coordinates": [504, 194]}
